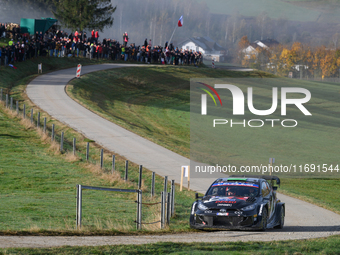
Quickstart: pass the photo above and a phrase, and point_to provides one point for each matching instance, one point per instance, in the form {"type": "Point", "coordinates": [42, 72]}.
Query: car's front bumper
{"type": "Point", "coordinates": [227, 221]}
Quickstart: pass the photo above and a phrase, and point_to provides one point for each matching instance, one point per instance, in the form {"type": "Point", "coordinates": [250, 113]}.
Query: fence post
{"type": "Point", "coordinates": [11, 103]}
{"type": "Point", "coordinates": [101, 158]}
{"type": "Point", "coordinates": [153, 184]}
{"type": "Point", "coordinates": [38, 120]}
{"type": "Point", "coordinates": [52, 136]}
{"type": "Point", "coordinates": [6, 100]}
{"type": "Point", "coordinates": [140, 176]}
{"type": "Point", "coordinates": [74, 146]}
{"type": "Point", "coordinates": [165, 183]}
{"type": "Point", "coordinates": [126, 170]}
{"type": "Point", "coordinates": [87, 150]}
{"type": "Point", "coordinates": [17, 105]}
{"type": "Point", "coordinates": [44, 125]}
{"type": "Point", "coordinates": [162, 209]}
{"type": "Point", "coordinates": [31, 116]}
{"type": "Point", "coordinates": [172, 197]}
{"type": "Point", "coordinates": [24, 112]}
{"type": "Point", "coordinates": [62, 142]}
{"type": "Point", "coordinates": [139, 210]}
{"type": "Point", "coordinates": [79, 206]}
{"type": "Point", "coordinates": [168, 207]}
{"type": "Point", "coordinates": [113, 163]}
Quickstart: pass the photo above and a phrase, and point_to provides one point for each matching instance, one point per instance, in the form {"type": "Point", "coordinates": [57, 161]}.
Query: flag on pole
{"type": "Point", "coordinates": [12, 66]}
{"type": "Point", "coordinates": [180, 21]}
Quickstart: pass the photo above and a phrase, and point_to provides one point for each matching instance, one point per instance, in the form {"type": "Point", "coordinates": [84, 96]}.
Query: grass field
{"type": "Point", "coordinates": [37, 176]}
{"type": "Point", "coordinates": [136, 100]}
{"type": "Point", "coordinates": [328, 245]}
{"type": "Point", "coordinates": [34, 174]}
{"type": "Point", "coordinates": [38, 187]}
{"type": "Point", "coordinates": [152, 102]}
{"type": "Point", "coordinates": [313, 141]}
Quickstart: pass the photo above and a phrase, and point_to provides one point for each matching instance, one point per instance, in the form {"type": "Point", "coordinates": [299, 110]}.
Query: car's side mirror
{"type": "Point", "coordinates": [197, 197]}
{"type": "Point", "coordinates": [275, 188]}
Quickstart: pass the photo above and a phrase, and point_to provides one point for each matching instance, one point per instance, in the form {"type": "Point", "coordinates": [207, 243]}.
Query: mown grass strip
{"type": "Point", "coordinates": [328, 245]}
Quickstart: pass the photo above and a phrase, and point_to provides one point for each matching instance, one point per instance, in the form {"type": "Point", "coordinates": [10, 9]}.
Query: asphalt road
{"type": "Point", "coordinates": [303, 220]}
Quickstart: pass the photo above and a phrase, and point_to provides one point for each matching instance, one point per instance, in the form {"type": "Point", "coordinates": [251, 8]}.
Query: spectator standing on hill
{"type": "Point", "coordinates": [2, 30]}
{"type": "Point", "coordinates": [96, 36]}
{"type": "Point", "coordinates": [127, 52]}
{"type": "Point", "coordinates": [125, 38]}
{"type": "Point", "coordinates": [92, 36]}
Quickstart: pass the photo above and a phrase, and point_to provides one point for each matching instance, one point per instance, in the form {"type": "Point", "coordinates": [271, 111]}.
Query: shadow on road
{"type": "Point", "coordinates": [306, 229]}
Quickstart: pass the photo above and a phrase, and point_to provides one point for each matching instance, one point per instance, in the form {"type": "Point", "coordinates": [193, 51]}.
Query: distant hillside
{"type": "Point", "coordinates": [295, 10]}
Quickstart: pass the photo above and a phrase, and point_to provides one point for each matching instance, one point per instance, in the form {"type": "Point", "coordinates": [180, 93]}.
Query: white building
{"type": "Point", "coordinates": [265, 44]}
{"type": "Point", "coordinates": [208, 47]}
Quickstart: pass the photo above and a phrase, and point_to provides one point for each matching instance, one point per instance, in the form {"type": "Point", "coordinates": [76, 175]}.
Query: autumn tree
{"type": "Point", "coordinates": [241, 46]}
{"type": "Point", "coordinates": [274, 59]}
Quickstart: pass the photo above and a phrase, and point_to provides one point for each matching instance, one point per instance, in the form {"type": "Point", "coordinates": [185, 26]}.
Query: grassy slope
{"type": "Point", "coordinates": [26, 141]}
{"type": "Point", "coordinates": [137, 100]}
{"type": "Point", "coordinates": [152, 102]}
{"type": "Point", "coordinates": [33, 178]}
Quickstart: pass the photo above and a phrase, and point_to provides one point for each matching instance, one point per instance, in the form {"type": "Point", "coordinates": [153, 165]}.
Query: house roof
{"type": "Point", "coordinates": [205, 42]}
{"type": "Point", "coordinates": [267, 42]}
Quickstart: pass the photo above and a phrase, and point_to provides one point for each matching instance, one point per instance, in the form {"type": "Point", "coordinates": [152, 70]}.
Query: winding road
{"type": "Point", "coordinates": [303, 220]}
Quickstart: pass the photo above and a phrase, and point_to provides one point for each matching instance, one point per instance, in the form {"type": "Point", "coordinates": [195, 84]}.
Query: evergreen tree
{"type": "Point", "coordinates": [84, 14]}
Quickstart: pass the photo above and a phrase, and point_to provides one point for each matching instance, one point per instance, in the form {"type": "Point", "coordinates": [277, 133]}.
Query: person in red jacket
{"type": "Point", "coordinates": [96, 36]}
{"type": "Point", "coordinates": [92, 36]}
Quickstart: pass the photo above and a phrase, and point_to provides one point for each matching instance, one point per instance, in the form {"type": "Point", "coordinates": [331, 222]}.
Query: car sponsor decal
{"type": "Point", "coordinates": [226, 202]}
{"type": "Point", "coordinates": [217, 198]}
{"type": "Point", "coordinates": [236, 184]}
{"type": "Point", "coordinates": [222, 214]}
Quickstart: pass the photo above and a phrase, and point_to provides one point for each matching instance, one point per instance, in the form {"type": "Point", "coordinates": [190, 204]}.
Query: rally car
{"type": "Point", "coordinates": [239, 202]}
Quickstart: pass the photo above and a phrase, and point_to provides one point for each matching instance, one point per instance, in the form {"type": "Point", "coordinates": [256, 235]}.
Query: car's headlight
{"type": "Point", "coordinates": [201, 206]}
{"type": "Point", "coordinates": [248, 208]}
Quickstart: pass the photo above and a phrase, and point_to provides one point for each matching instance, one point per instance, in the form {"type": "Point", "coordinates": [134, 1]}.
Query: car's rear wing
{"type": "Point", "coordinates": [266, 177]}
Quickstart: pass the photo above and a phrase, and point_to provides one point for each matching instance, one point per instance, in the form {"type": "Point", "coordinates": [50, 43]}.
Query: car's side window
{"type": "Point", "coordinates": [265, 189]}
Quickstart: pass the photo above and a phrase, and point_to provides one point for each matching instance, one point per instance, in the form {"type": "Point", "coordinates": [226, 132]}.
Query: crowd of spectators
{"type": "Point", "coordinates": [56, 43]}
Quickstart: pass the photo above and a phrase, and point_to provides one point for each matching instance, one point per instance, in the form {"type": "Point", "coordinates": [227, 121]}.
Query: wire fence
{"type": "Point", "coordinates": [56, 210]}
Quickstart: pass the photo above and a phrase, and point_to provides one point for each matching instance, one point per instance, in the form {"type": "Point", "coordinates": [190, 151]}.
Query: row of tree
{"type": "Point", "coordinates": [73, 14]}
{"type": "Point", "coordinates": [282, 59]}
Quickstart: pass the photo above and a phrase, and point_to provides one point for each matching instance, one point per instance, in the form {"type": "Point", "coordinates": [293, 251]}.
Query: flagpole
{"type": "Point", "coordinates": [172, 34]}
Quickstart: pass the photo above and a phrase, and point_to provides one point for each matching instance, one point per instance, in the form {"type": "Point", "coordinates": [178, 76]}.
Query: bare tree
{"type": "Point", "coordinates": [335, 39]}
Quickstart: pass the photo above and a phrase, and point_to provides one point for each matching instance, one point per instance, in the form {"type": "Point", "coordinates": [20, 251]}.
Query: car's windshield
{"type": "Point", "coordinates": [233, 189]}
